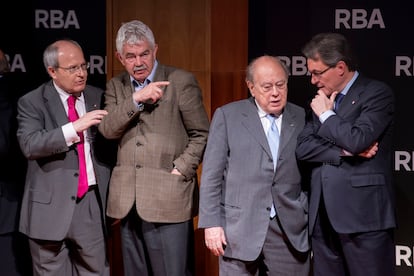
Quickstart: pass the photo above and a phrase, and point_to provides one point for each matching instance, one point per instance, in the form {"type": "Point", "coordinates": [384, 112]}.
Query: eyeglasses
{"type": "Point", "coordinates": [76, 68]}
{"type": "Point", "coordinates": [269, 86]}
{"type": "Point", "coordinates": [317, 74]}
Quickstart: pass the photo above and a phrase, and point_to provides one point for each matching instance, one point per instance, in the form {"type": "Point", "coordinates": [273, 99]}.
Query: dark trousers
{"type": "Point", "coordinates": [158, 249]}
{"type": "Point", "coordinates": [356, 254]}
{"type": "Point", "coordinates": [82, 251]}
{"type": "Point", "coordinates": [15, 259]}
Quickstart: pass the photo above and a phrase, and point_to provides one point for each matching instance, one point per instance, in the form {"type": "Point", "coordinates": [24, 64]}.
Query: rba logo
{"type": "Point", "coordinates": [56, 19]}
{"type": "Point", "coordinates": [404, 161]}
{"type": "Point", "coordinates": [404, 255]}
{"type": "Point", "coordinates": [358, 19]}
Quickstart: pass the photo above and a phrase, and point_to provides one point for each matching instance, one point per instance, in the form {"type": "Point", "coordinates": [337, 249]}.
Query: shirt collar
{"type": "Point", "coordinates": [350, 83]}
{"type": "Point", "coordinates": [262, 113]}
{"type": "Point", "coordinates": [64, 95]}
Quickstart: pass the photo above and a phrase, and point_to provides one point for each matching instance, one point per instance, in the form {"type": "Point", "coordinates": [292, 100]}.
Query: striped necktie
{"type": "Point", "coordinates": [273, 140]}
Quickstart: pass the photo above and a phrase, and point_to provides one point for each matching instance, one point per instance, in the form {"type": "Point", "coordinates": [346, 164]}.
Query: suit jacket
{"type": "Point", "coordinates": [51, 182]}
{"type": "Point", "coordinates": [239, 184]}
{"type": "Point", "coordinates": [12, 162]}
{"type": "Point", "coordinates": [357, 192]}
{"type": "Point", "coordinates": [171, 132]}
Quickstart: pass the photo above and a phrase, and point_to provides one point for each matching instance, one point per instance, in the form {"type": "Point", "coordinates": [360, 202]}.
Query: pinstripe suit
{"type": "Point", "coordinates": [239, 184]}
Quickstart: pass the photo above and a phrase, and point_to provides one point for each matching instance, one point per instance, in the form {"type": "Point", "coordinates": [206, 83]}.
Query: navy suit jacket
{"type": "Point", "coordinates": [357, 192]}
{"type": "Point", "coordinates": [12, 162]}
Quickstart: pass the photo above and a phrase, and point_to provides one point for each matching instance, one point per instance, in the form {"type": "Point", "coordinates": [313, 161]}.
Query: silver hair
{"type": "Point", "coordinates": [134, 32]}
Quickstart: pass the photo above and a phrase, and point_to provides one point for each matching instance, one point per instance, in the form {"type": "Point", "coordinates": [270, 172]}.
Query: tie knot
{"type": "Point", "coordinates": [271, 118]}
{"type": "Point", "coordinates": [71, 101]}
{"type": "Point", "coordinates": [339, 97]}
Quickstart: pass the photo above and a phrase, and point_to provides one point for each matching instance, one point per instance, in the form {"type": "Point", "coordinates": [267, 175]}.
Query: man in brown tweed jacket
{"type": "Point", "coordinates": [156, 112]}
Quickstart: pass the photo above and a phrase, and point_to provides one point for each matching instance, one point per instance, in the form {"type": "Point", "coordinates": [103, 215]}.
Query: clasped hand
{"type": "Point", "coordinates": [322, 103]}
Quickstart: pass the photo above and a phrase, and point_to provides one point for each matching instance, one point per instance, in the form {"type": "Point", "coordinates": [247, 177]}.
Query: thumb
{"type": "Point", "coordinates": [333, 96]}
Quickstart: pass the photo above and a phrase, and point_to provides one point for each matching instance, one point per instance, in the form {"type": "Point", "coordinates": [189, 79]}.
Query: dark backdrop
{"type": "Point", "coordinates": [379, 30]}
{"type": "Point", "coordinates": [381, 34]}
{"type": "Point", "coordinates": [26, 28]}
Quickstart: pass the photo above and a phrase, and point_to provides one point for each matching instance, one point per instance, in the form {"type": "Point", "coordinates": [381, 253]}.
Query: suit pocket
{"type": "Point", "coordinates": [230, 211]}
{"type": "Point", "coordinates": [40, 196]}
{"type": "Point", "coordinates": [367, 180]}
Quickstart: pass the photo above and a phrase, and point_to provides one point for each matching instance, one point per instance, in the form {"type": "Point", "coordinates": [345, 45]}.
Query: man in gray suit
{"type": "Point", "coordinates": [65, 230]}
{"type": "Point", "coordinates": [157, 115]}
{"type": "Point", "coordinates": [240, 187]}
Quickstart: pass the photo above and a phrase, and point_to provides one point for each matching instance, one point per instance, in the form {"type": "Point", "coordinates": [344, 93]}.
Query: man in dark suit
{"type": "Point", "coordinates": [14, 249]}
{"type": "Point", "coordinates": [65, 228]}
{"type": "Point", "coordinates": [349, 142]}
{"type": "Point", "coordinates": [157, 115]}
{"type": "Point", "coordinates": [253, 207]}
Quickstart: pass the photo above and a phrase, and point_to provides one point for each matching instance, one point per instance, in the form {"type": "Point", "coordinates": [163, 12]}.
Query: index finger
{"type": "Point", "coordinates": [161, 83]}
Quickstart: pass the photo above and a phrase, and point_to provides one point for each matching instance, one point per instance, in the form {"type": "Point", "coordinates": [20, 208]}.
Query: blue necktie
{"type": "Point", "coordinates": [338, 100]}
{"type": "Point", "coordinates": [273, 140]}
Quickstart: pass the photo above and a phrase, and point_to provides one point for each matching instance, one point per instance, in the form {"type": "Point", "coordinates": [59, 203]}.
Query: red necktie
{"type": "Point", "coordinates": [83, 178]}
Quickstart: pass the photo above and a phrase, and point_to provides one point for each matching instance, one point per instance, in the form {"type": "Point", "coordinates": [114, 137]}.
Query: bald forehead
{"type": "Point", "coordinates": [266, 64]}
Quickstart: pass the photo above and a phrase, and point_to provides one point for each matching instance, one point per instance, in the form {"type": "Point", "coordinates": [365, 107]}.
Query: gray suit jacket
{"type": "Point", "coordinates": [238, 183]}
{"type": "Point", "coordinates": [172, 132]}
{"type": "Point", "coordinates": [51, 182]}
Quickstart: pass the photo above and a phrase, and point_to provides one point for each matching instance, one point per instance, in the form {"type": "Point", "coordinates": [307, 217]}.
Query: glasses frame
{"type": "Point", "coordinates": [319, 74]}
{"type": "Point", "coordinates": [76, 68]}
{"type": "Point", "coordinates": [280, 86]}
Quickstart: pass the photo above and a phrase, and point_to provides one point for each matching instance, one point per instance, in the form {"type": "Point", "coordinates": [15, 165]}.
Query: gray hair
{"type": "Point", "coordinates": [251, 67]}
{"type": "Point", "coordinates": [51, 53]}
{"type": "Point", "coordinates": [134, 32]}
{"type": "Point", "coordinates": [330, 48]}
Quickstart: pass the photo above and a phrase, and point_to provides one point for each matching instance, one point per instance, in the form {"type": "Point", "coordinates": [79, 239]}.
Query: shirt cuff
{"type": "Point", "coordinates": [69, 132]}
{"type": "Point", "coordinates": [324, 116]}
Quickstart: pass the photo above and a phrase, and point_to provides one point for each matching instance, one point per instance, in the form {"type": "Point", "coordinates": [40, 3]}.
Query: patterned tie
{"type": "Point", "coordinates": [338, 99]}
{"type": "Point", "coordinates": [83, 178]}
{"type": "Point", "coordinates": [273, 140]}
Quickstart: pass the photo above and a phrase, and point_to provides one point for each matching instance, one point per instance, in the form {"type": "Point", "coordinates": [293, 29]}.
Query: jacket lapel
{"type": "Point", "coordinates": [253, 124]}
{"type": "Point", "coordinates": [287, 129]}
{"type": "Point", "coordinates": [54, 105]}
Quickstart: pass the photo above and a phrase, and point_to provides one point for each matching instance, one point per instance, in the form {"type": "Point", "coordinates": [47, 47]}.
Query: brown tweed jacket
{"type": "Point", "coordinates": [172, 132]}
